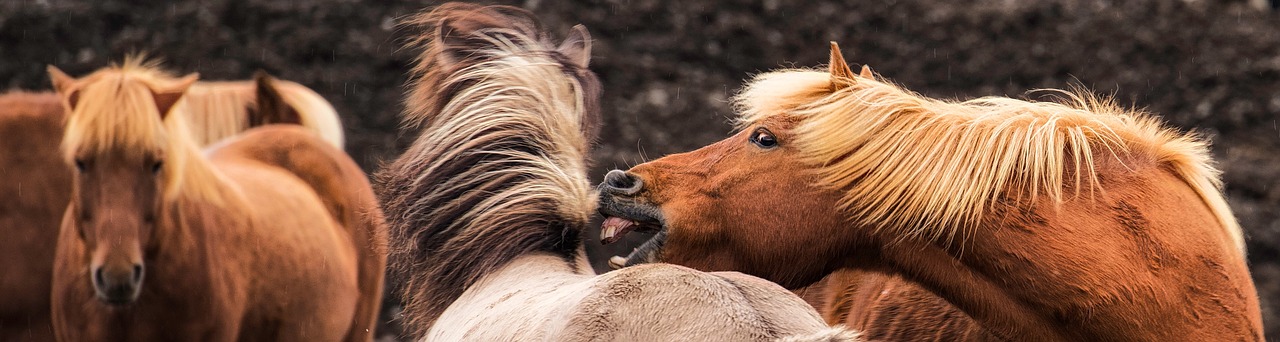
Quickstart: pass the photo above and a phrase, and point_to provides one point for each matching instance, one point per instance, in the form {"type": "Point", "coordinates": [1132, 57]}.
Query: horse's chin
{"type": "Point", "coordinates": [646, 253]}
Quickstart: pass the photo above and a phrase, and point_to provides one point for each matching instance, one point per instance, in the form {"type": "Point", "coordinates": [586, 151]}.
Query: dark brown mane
{"type": "Point", "coordinates": [503, 112]}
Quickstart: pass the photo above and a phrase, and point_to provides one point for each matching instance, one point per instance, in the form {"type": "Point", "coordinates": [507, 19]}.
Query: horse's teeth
{"type": "Point", "coordinates": [609, 232]}
{"type": "Point", "coordinates": [612, 229]}
{"type": "Point", "coordinates": [617, 262]}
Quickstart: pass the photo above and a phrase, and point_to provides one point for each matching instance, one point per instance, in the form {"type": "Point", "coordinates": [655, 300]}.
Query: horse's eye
{"type": "Point", "coordinates": [763, 138]}
{"type": "Point", "coordinates": [81, 165]}
{"type": "Point", "coordinates": [155, 167]}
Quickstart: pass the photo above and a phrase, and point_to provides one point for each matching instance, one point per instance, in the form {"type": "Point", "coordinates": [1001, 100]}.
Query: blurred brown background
{"type": "Point", "coordinates": [669, 66]}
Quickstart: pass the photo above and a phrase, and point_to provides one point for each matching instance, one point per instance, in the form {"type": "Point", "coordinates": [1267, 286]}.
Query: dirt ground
{"type": "Point", "coordinates": [669, 66]}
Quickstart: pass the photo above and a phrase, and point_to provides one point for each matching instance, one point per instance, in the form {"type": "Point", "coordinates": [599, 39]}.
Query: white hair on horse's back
{"type": "Point", "coordinates": [931, 168]}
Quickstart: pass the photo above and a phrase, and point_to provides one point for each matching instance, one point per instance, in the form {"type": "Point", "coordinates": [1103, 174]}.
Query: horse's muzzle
{"type": "Point", "coordinates": [117, 285]}
{"type": "Point", "coordinates": [621, 183]}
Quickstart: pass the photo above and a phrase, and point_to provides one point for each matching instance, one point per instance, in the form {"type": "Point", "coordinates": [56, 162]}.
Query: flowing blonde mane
{"type": "Point", "coordinates": [930, 169]}
{"type": "Point", "coordinates": [115, 110]}
{"type": "Point", "coordinates": [217, 110]}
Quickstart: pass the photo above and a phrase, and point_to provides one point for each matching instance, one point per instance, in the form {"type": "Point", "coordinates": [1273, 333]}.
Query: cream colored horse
{"type": "Point", "coordinates": [489, 205]}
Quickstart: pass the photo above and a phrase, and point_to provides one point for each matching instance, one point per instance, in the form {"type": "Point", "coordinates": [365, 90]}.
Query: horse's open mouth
{"type": "Point", "coordinates": [615, 227]}
{"type": "Point", "coordinates": [623, 218]}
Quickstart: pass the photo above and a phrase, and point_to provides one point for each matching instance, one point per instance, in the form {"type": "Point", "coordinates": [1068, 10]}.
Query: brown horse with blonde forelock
{"type": "Point", "coordinates": [1041, 221]}
{"type": "Point", "coordinates": [487, 207]}
{"type": "Point", "coordinates": [272, 235]}
{"type": "Point", "coordinates": [39, 181]}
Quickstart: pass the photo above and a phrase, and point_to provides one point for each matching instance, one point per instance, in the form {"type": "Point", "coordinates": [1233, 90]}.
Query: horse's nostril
{"type": "Point", "coordinates": [98, 278]}
{"type": "Point", "coordinates": [137, 274]}
{"type": "Point", "coordinates": [621, 182]}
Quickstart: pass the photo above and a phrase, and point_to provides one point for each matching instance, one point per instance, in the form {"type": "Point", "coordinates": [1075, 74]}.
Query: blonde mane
{"type": "Point", "coordinates": [930, 169]}
{"type": "Point", "coordinates": [221, 109]}
{"type": "Point", "coordinates": [115, 110]}
{"type": "Point", "coordinates": [317, 114]}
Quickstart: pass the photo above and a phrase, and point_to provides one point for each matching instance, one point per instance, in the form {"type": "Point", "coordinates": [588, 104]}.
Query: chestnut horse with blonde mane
{"type": "Point", "coordinates": [488, 206]}
{"type": "Point", "coordinates": [1042, 221]}
{"type": "Point", "coordinates": [39, 181]}
{"type": "Point", "coordinates": [271, 235]}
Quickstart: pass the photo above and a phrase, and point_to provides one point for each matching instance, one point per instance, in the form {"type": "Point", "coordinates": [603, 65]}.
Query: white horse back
{"type": "Point", "coordinates": [540, 298]}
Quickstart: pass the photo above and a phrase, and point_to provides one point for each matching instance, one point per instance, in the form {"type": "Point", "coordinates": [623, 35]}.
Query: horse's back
{"type": "Point", "coordinates": [1147, 212]}
{"type": "Point", "coordinates": [668, 302]}
{"type": "Point", "coordinates": [314, 181]}
{"type": "Point", "coordinates": [37, 188]}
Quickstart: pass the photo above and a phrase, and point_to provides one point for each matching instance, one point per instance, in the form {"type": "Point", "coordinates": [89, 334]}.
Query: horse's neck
{"type": "Point", "coordinates": [975, 293]}
{"type": "Point", "coordinates": [519, 298]}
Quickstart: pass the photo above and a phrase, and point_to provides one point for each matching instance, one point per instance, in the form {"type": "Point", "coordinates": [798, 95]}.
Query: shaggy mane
{"type": "Point", "coordinates": [116, 111]}
{"type": "Point", "coordinates": [499, 169]}
{"type": "Point", "coordinates": [930, 169]}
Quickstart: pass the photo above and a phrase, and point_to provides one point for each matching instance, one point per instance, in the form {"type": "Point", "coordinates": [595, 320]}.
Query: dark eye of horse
{"type": "Point", "coordinates": [155, 167]}
{"type": "Point", "coordinates": [763, 138]}
{"type": "Point", "coordinates": [80, 164]}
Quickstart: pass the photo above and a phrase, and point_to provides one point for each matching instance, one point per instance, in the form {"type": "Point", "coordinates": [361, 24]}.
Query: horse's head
{"type": "Point", "coordinates": [747, 203]}
{"type": "Point", "coordinates": [116, 142]}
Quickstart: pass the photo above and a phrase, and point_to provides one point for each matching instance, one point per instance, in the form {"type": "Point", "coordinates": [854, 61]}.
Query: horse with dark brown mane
{"type": "Point", "coordinates": [39, 181]}
{"type": "Point", "coordinates": [1042, 221]}
{"type": "Point", "coordinates": [488, 206]}
{"type": "Point", "coordinates": [271, 235]}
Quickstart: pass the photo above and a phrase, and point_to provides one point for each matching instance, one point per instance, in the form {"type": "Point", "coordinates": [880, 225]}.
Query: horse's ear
{"type": "Point", "coordinates": [166, 98]}
{"type": "Point", "coordinates": [449, 41]}
{"type": "Point", "coordinates": [841, 75]}
{"type": "Point", "coordinates": [271, 107]}
{"type": "Point", "coordinates": [866, 72]}
{"type": "Point", "coordinates": [577, 46]}
{"type": "Point", "coordinates": [64, 84]}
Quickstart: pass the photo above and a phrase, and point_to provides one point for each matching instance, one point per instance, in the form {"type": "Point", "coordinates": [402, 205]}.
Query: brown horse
{"type": "Point", "coordinates": [1040, 220]}
{"type": "Point", "coordinates": [272, 235]}
{"type": "Point", "coordinates": [32, 170]}
{"type": "Point", "coordinates": [488, 206]}
{"type": "Point", "coordinates": [37, 186]}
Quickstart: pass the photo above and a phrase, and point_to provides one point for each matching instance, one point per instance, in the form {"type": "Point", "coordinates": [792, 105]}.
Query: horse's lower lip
{"type": "Point", "coordinates": [646, 253]}
{"type": "Point", "coordinates": [117, 300]}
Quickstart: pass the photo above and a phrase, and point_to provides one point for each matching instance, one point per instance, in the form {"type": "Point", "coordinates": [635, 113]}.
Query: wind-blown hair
{"type": "Point", "coordinates": [499, 169]}
{"type": "Point", "coordinates": [930, 168]}
{"type": "Point", "coordinates": [115, 108]}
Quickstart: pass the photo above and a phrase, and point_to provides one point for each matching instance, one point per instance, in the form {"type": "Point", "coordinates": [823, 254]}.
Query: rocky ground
{"type": "Point", "coordinates": [669, 66]}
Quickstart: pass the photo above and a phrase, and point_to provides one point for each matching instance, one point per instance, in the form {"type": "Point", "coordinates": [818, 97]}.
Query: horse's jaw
{"type": "Point", "coordinates": [646, 253]}
{"type": "Point", "coordinates": [623, 217]}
